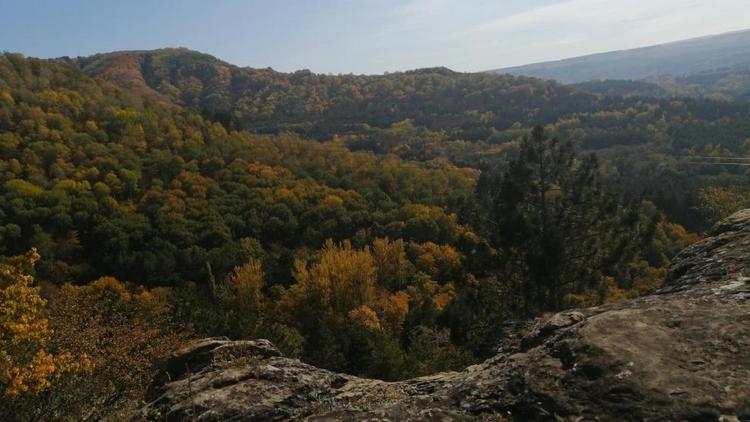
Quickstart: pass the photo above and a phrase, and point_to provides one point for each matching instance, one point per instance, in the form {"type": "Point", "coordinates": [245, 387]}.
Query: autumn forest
{"type": "Point", "coordinates": [386, 226]}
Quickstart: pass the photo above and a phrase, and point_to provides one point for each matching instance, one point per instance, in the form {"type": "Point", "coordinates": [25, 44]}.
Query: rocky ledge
{"type": "Point", "coordinates": [681, 353]}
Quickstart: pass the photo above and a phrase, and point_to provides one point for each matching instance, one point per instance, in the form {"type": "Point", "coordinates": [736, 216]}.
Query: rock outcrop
{"type": "Point", "coordinates": [681, 353]}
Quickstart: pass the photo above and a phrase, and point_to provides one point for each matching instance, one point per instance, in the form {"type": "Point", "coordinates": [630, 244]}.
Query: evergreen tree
{"type": "Point", "coordinates": [556, 229]}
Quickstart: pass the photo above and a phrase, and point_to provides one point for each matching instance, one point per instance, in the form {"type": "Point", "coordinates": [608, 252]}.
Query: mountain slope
{"type": "Point", "coordinates": [468, 119]}
{"type": "Point", "coordinates": [155, 192]}
{"type": "Point", "coordinates": [731, 84]}
{"type": "Point", "coordinates": [265, 100]}
{"type": "Point", "coordinates": [730, 50]}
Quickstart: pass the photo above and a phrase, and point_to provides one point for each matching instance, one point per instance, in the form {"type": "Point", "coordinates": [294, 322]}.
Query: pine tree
{"type": "Point", "coordinates": [558, 231]}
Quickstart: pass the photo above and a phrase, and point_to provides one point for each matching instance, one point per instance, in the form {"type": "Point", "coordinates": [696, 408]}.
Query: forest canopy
{"type": "Point", "coordinates": [377, 225]}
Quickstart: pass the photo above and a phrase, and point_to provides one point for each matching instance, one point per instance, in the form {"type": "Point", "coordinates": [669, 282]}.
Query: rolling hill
{"type": "Point", "coordinates": [316, 105]}
{"type": "Point", "coordinates": [729, 51]}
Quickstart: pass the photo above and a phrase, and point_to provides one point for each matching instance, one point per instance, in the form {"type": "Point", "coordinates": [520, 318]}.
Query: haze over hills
{"type": "Point", "coordinates": [725, 51]}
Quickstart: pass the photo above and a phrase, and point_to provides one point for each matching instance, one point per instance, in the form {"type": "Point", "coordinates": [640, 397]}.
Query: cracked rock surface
{"type": "Point", "coordinates": [681, 353]}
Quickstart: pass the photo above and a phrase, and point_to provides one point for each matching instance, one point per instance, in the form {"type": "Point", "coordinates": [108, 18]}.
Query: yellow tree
{"type": "Point", "coordinates": [392, 266]}
{"type": "Point", "coordinates": [26, 364]}
{"type": "Point", "coordinates": [720, 202]}
{"type": "Point", "coordinates": [242, 290]}
{"type": "Point", "coordinates": [439, 261]}
{"type": "Point", "coordinates": [343, 278]}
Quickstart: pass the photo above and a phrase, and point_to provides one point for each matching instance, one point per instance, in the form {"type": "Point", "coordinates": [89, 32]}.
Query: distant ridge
{"type": "Point", "coordinates": [677, 58]}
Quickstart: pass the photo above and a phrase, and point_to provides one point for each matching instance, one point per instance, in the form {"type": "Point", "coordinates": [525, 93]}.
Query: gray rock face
{"type": "Point", "coordinates": [682, 353]}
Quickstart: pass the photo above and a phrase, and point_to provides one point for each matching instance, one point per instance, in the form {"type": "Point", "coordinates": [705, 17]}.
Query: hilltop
{"type": "Point", "coordinates": [316, 105]}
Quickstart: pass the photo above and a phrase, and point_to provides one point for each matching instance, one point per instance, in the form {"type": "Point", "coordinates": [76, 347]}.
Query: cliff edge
{"type": "Point", "coordinates": [681, 353]}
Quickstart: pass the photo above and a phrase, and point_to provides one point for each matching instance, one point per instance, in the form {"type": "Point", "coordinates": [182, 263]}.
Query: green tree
{"type": "Point", "coordinates": [558, 231]}
{"type": "Point", "coordinates": [720, 202]}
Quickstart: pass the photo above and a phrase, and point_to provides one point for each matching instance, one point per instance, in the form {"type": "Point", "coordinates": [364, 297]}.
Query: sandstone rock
{"type": "Point", "coordinates": [682, 353]}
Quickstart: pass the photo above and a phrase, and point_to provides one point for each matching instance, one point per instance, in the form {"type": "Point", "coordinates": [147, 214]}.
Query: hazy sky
{"type": "Point", "coordinates": [362, 36]}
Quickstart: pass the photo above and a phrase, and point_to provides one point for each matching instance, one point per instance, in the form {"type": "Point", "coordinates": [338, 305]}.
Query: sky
{"type": "Point", "coordinates": [362, 36]}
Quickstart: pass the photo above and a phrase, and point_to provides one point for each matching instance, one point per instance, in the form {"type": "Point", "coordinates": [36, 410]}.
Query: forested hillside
{"type": "Point", "coordinates": [725, 84]}
{"type": "Point", "coordinates": [468, 119]}
{"type": "Point", "coordinates": [465, 105]}
{"type": "Point", "coordinates": [376, 225]}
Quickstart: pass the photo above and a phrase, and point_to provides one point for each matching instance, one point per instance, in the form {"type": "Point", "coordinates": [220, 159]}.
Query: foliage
{"type": "Point", "coordinates": [29, 365]}
{"type": "Point", "coordinates": [555, 225]}
{"type": "Point", "coordinates": [720, 202]}
{"type": "Point", "coordinates": [123, 329]}
{"type": "Point", "coordinates": [386, 226]}
{"type": "Point", "coordinates": [320, 106]}
{"type": "Point", "coordinates": [156, 193]}
{"type": "Point", "coordinates": [469, 119]}
{"type": "Point", "coordinates": [242, 292]}
{"type": "Point", "coordinates": [353, 307]}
